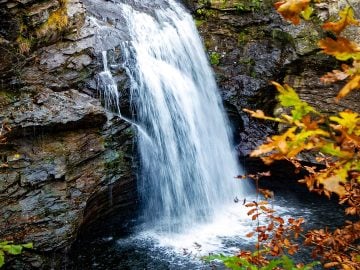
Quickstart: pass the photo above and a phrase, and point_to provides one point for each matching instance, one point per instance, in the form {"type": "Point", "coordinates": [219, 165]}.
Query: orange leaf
{"type": "Point", "coordinates": [250, 234]}
{"type": "Point", "coordinates": [341, 48]}
{"type": "Point", "coordinates": [351, 210]}
{"type": "Point", "coordinates": [252, 211]}
{"type": "Point", "coordinates": [346, 18]}
{"type": "Point", "coordinates": [309, 123]}
{"type": "Point", "coordinates": [266, 193]}
{"type": "Point", "coordinates": [353, 84]}
{"type": "Point", "coordinates": [335, 75]}
{"type": "Point", "coordinates": [270, 226]}
{"type": "Point", "coordinates": [250, 204]}
{"type": "Point", "coordinates": [330, 264]}
{"type": "Point", "coordinates": [287, 242]}
{"type": "Point", "coordinates": [279, 220]}
{"type": "Point", "coordinates": [291, 9]}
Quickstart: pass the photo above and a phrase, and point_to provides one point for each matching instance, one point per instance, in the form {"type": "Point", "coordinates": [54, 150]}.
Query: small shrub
{"type": "Point", "coordinates": [57, 21]}
{"type": "Point", "coordinates": [215, 58]}
{"type": "Point", "coordinates": [7, 247]}
{"type": "Point", "coordinates": [24, 44]}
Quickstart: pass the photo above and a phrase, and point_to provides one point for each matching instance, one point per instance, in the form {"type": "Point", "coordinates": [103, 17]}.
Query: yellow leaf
{"type": "Point", "coordinates": [345, 266]}
{"type": "Point", "coordinates": [346, 18]}
{"type": "Point", "coordinates": [341, 48]}
{"type": "Point", "coordinates": [333, 184]}
{"type": "Point", "coordinates": [289, 98]}
{"type": "Point", "coordinates": [260, 114]}
{"type": "Point", "coordinates": [353, 84]}
{"type": "Point", "coordinates": [277, 142]}
{"type": "Point", "coordinates": [291, 9]}
{"type": "Point", "coordinates": [307, 12]}
{"type": "Point", "coordinates": [347, 119]}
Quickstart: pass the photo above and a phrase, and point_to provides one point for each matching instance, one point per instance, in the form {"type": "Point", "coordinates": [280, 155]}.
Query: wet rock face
{"type": "Point", "coordinates": [68, 163]}
{"type": "Point", "coordinates": [249, 45]}
{"type": "Point", "coordinates": [252, 50]}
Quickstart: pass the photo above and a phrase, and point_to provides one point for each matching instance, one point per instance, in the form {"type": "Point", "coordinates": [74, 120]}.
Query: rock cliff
{"type": "Point", "coordinates": [249, 45]}
{"type": "Point", "coordinates": [66, 162]}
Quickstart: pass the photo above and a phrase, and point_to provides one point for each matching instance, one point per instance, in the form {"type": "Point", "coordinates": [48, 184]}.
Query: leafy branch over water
{"type": "Point", "coordinates": [335, 142]}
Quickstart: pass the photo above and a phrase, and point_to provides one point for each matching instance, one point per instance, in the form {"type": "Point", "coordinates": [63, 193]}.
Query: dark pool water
{"type": "Point", "coordinates": [144, 248]}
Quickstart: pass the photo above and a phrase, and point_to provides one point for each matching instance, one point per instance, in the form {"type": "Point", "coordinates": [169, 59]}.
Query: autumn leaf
{"type": "Point", "coordinates": [346, 18]}
{"type": "Point", "coordinates": [307, 12]}
{"type": "Point", "coordinates": [252, 211]}
{"type": "Point", "coordinates": [341, 48]}
{"type": "Point", "coordinates": [309, 123]}
{"type": "Point", "coordinates": [347, 119]}
{"type": "Point", "coordinates": [333, 184]}
{"type": "Point", "coordinates": [289, 98]}
{"type": "Point", "coordinates": [291, 9]}
{"type": "Point", "coordinates": [261, 115]}
{"type": "Point", "coordinates": [353, 84]}
{"type": "Point", "coordinates": [334, 76]}
{"type": "Point", "coordinates": [335, 151]}
{"type": "Point", "coordinates": [331, 264]}
{"type": "Point", "coordinates": [266, 193]}
{"type": "Point", "coordinates": [276, 142]}
{"type": "Point", "coordinates": [251, 234]}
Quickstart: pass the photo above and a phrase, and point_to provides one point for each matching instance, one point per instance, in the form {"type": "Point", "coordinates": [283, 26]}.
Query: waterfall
{"type": "Point", "coordinates": [187, 165]}
{"type": "Point", "coordinates": [108, 88]}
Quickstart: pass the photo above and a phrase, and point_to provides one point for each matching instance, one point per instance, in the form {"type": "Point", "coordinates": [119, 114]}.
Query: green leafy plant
{"type": "Point", "coordinates": [57, 21]}
{"type": "Point", "coordinates": [249, 5]}
{"type": "Point", "coordinates": [7, 247]}
{"type": "Point", "coordinates": [215, 58]}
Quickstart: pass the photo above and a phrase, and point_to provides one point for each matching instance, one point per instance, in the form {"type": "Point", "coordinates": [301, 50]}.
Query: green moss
{"type": "Point", "coordinates": [199, 22]}
{"type": "Point", "coordinates": [247, 61]}
{"type": "Point", "coordinates": [205, 13]}
{"type": "Point", "coordinates": [24, 44]}
{"type": "Point", "coordinates": [253, 74]}
{"type": "Point", "coordinates": [242, 38]}
{"type": "Point", "coordinates": [7, 97]}
{"type": "Point", "coordinates": [115, 160]}
{"type": "Point", "coordinates": [249, 5]}
{"type": "Point", "coordinates": [283, 37]}
{"type": "Point", "coordinates": [57, 21]}
{"type": "Point", "coordinates": [208, 43]}
{"type": "Point", "coordinates": [215, 58]}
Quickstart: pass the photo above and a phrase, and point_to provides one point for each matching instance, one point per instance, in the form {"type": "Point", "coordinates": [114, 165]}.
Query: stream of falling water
{"type": "Point", "coordinates": [187, 165]}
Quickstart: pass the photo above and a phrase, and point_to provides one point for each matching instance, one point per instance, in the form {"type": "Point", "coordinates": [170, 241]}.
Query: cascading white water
{"type": "Point", "coordinates": [108, 88]}
{"type": "Point", "coordinates": [187, 165]}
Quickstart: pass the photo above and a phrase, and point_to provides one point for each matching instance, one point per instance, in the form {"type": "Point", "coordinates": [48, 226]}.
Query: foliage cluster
{"type": "Point", "coordinates": [12, 249]}
{"type": "Point", "coordinates": [333, 139]}
{"type": "Point", "coordinates": [230, 5]}
{"type": "Point", "coordinates": [57, 21]}
{"type": "Point", "coordinates": [249, 5]}
{"type": "Point", "coordinates": [215, 58]}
